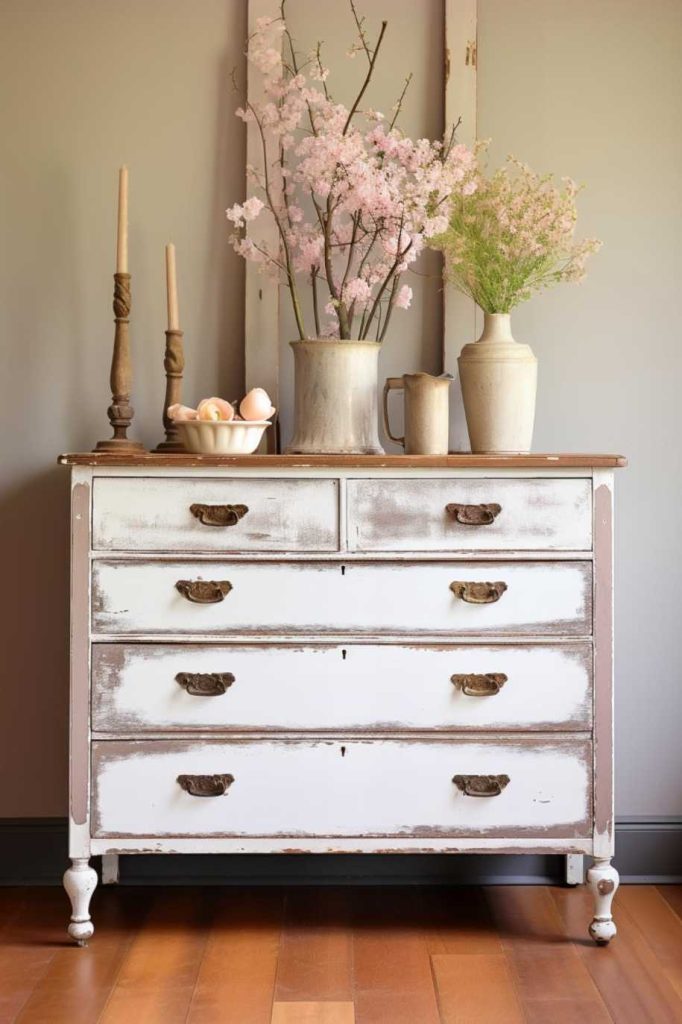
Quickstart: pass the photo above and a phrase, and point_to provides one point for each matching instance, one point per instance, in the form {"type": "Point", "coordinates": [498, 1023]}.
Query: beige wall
{"type": "Point", "coordinates": [586, 87]}
{"type": "Point", "coordinates": [88, 85]}
{"type": "Point", "coordinates": [593, 89]}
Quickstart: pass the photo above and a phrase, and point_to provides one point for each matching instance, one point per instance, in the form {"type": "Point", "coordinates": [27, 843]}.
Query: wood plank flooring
{"type": "Point", "coordinates": [499, 955]}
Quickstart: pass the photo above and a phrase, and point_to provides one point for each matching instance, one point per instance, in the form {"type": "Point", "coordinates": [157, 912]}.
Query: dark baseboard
{"type": "Point", "coordinates": [33, 852]}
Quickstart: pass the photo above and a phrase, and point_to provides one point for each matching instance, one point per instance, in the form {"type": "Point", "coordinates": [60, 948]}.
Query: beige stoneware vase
{"type": "Point", "coordinates": [498, 377]}
{"type": "Point", "coordinates": [335, 398]}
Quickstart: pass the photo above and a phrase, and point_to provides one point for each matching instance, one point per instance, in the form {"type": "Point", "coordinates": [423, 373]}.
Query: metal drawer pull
{"type": "Point", "coordinates": [478, 593]}
{"type": "Point", "coordinates": [205, 684]}
{"type": "Point", "coordinates": [218, 515]}
{"type": "Point", "coordinates": [474, 515]}
{"type": "Point", "coordinates": [481, 785]}
{"type": "Point", "coordinates": [484, 685]}
{"type": "Point", "coordinates": [205, 785]}
{"type": "Point", "coordinates": [204, 591]}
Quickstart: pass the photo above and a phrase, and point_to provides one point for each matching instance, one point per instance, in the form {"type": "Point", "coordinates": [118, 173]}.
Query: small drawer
{"type": "Point", "coordinates": [470, 515]}
{"type": "Point", "coordinates": [138, 688]}
{"type": "Point", "coordinates": [343, 787]}
{"type": "Point", "coordinates": [209, 515]}
{"type": "Point", "coordinates": [323, 598]}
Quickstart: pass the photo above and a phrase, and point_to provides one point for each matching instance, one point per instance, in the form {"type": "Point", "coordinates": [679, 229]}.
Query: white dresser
{"type": "Point", "coordinates": [334, 654]}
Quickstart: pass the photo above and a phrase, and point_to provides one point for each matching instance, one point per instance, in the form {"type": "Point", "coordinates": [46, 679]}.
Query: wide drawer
{"type": "Point", "coordinates": [470, 515]}
{"type": "Point", "coordinates": [342, 787]}
{"type": "Point", "coordinates": [167, 688]}
{"type": "Point", "coordinates": [208, 515]}
{"type": "Point", "coordinates": [328, 598]}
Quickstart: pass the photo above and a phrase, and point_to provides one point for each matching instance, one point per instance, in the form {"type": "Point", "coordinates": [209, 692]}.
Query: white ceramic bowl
{"type": "Point", "coordinates": [221, 437]}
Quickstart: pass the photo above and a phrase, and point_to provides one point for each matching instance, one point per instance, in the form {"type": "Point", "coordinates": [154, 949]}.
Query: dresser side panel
{"type": "Point", "coordinates": [603, 665]}
{"type": "Point", "coordinates": [79, 750]}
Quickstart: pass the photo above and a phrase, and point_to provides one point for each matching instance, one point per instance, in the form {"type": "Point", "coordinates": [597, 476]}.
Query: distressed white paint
{"type": "Point", "coordinates": [410, 515]}
{"type": "Point", "coordinates": [355, 844]}
{"type": "Point", "coordinates": [330, 787]}
{"type": "Point", "coordinates": [574, 869]}
{"type": "Point", "coordinates": [603, 880]}
{"type": "Point", "coordinates": [154, 515]}
{"type": "Point", "coordinates": [356, 686]}
{"type": "Point", "coordinates": [80, 881]}
{"type": "Point", "coordinates": [382, 611]}
{"type": "Point", "coordinates": [110, 866]}
{"type": "Point", "coordinates": [545, 598]}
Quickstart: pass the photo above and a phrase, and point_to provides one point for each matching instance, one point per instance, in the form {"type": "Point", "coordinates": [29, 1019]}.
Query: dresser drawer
{"type": "Point", "coordinates": [327, 598]}
{"type": "Point", "coordinates": [214, 515]}
{"type": "Point", "coordinates": [170, 688]}
{"type": "Point", "coordinates": [470, 515]}
{"type": "Point", "coordinates": [342, 787]}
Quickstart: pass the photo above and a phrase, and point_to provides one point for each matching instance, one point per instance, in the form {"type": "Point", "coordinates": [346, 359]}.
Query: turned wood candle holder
{"type": "Point", "coordinates": [121, 412]}
{"type": "Point", "coordinates": [174, 364]}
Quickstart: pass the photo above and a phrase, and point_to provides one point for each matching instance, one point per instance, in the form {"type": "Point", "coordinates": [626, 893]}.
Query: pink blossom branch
{"type": "Point", "coordinates": [287, 256]}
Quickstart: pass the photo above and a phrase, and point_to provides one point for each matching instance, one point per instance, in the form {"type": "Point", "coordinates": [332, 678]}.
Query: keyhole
{"type": "Point", "coordinates": [343, 570]}
{"type": "Point", "coordinates": [343, 653]}
{"type": "Point", "coordinates": [343, 751]}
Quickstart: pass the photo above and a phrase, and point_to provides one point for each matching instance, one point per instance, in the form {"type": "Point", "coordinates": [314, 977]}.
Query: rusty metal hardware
{"type": "Point", "coordinates": [481, 785]}
{"type": "Point", "coordinates": [205, 785]}
{"type": "Point", "coordinates": [480, 685]}
{"type": "Point", "coordinates": [205, 684]}
{"type": "Point", "coordinates": [218, 515]}
{"type": "Point", "coordinates": [478, 593]}
{"type": "Point", "coordinates": [474, 515]}
{"type": "Point", "coordinates": [204, 591]}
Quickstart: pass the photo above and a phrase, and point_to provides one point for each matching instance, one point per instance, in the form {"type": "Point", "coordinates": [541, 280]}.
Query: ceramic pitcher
{"type": "Point", "coordinates": [426, 412]}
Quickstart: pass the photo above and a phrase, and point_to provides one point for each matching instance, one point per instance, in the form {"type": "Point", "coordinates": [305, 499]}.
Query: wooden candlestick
{"type": "Point", "coordinates": [173, 364]}
{"type": "Point", "coordinates": [121, 412]}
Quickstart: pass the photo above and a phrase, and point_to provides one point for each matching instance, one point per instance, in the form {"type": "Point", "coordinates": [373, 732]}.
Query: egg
{"type": "Point", "coordinates": [256, 405]}
{"type": "Point", "coordinates": [181, 412]}
{"type": "Point", "coordinates": [215, 409]}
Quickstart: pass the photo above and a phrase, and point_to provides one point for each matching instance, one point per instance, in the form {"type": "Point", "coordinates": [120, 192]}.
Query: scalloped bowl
{"type": "Point", "coordinates": [221, 437]}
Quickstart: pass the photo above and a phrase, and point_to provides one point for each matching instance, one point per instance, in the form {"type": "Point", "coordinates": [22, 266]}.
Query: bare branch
{"type": "Point", "coordinates": [399, 105]}
{"type": "Point", "coordinates": [359, 24]}
{"type": "Point", "coordinates": [358, 98]}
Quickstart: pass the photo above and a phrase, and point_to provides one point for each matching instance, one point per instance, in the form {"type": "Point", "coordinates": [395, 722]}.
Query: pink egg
{"type": "Point", "coordinates": [181, 412]}
{"type": "Point", "coordinates": [256, 405]}
{"type": "Point", "coordinates": [215, 409]}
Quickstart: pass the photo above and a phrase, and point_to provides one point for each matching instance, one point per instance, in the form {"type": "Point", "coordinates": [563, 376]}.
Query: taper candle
{"type": "Point", "coordinates": [122, 237]}
{"type": "Point", "coordinates": [172, 289]}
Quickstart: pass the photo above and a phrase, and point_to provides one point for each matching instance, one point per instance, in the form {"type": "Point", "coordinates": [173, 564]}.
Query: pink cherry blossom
{"type": "Point", "coordinates": [404, 297]}
{"type": "Point", "coordinates": [353, 199]}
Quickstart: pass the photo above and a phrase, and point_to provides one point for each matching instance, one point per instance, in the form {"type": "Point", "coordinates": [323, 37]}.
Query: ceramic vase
{"type": "Point", "coordinates": [335, 398]}
{"type": "Point", "coordinates": [498, 377]}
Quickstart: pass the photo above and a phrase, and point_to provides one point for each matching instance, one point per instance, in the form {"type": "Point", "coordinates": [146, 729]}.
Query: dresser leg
{"type": "Point", "coordinates": [574, 871]}
{"type": "Point", "coordinates": [603, 880]}
{"type": "Point", "coordinates": [109, 869]}
{"type": "Point", "coordinates": [80, 881]}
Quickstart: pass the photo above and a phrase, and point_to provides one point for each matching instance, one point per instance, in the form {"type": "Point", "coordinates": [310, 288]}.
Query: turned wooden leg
{"type": "Point", "coordinates": [603, 880]}
{"type": "Point", "coordinates": [80, 881]}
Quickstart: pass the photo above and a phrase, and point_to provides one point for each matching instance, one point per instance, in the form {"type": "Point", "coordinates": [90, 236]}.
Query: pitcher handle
{"type": "Point", "coordinates": [392, 383]}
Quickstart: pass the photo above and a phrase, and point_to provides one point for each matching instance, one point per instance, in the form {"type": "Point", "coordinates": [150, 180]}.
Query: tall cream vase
{"type": "Point", "coordinates": [498, 377]}
{"type": "Point", "coordinates": [335, 398]}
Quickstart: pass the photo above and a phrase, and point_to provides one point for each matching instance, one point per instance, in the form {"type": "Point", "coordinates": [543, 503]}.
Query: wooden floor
{"type": "Point", "coordinates": [501, 955]}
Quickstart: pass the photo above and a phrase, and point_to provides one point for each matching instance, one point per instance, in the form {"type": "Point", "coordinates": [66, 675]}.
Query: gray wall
{"type": "Point", "coordinates": [591, 89]}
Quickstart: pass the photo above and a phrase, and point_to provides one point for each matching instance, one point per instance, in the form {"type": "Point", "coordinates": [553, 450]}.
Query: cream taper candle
{"type": "Point", "coordinates": [172, 289]}
{"type": "Point", "coordinates": [122, 237]}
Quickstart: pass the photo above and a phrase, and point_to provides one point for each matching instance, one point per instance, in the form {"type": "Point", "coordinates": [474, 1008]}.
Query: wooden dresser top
{"type": "Point", "coordinates": [460, 461]}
